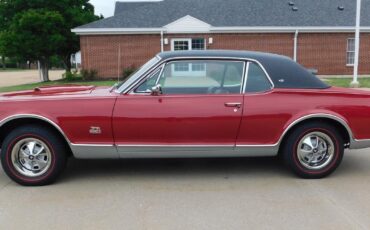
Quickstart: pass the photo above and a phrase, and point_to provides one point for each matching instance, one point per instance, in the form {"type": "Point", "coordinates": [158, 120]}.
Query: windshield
{"type": "Point", "coordinates": [137, 74]}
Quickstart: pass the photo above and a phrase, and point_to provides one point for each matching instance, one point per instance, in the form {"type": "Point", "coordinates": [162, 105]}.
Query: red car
{"type": "Point", "coordinates": [187, 104]}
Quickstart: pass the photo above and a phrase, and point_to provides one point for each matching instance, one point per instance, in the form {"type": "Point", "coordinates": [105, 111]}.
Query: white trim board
{"type": "Point", "coordinates": [187, 24]}
{"type": "Point", "coordinates": [106, 31]}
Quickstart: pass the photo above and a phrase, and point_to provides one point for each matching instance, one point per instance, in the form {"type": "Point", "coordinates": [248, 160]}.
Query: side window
{"type": "Point", "coordinates": [202, 77]}
{"type": "Point", "coordinates": [149, 83]}
{"type": "Point", "coordinates": [257, 80]}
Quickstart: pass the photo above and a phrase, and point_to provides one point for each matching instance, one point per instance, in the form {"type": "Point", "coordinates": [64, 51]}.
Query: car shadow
{"type": "Point", "coordinates": [155, 168]}
{"type": "Point", "coordinates": [353, 164]}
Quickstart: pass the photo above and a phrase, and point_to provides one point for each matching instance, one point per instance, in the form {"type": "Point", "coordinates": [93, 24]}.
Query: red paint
{"type": "Point", "coordinates": [185, 119]}
{"type": "Point", "coordinates": [176, 119]}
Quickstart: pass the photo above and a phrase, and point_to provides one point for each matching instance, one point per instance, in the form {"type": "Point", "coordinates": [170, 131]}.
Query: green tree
{"type": "Point", "coordinates": [38, 29]}
{"type": "Point", "coordinates": [2, 57]}
{"type": "Point", "coordinates": [36, 35]}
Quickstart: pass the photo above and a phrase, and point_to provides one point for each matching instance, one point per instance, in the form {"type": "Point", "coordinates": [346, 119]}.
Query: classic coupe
{"type": "Point", "coordinates": [187, 104]}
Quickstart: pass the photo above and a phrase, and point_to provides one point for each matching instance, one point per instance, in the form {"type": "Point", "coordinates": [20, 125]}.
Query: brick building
{"type": "Point", "coordinates": [319, 34]}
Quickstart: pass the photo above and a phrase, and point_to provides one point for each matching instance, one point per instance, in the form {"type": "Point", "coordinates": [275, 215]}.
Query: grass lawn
{"type": "Point", "coordinates": [59, 82]}
{"type": "Point", "coordinates": [345, 82]}
{"type": "Point", "coordinates": [341, 82]}
{"type": "Point", "coordinates": [11, 69]}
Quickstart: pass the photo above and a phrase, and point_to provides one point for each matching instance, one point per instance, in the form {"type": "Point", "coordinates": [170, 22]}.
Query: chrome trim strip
{"type": "Point", "coordinates": [147, 76]}
{"type": "Point", "coordinates": [266, 73]}
{"type": "Point", "coordinates": [35, 116]}
{"type": "Point", "coordinates": [246, 76]}
{"type": "Point", "coordinates": [257, 146]}
{"type": "Point", "coordinates": [162, 151]}
{"type": "Point", "coordinates": [101, 151]}
{"type": "Point", "coordinates": [174, 145]}
{"type": "Point", "coordinates": [318, 115]}
{"type": "Point", "coordinates": [194, 151]}
{"type": "Point", "coordinates": [160, 74]}
{"type": "Point", "coordinates": [359, 144]}
{"type": "Point", "coordinates": [90, 151]}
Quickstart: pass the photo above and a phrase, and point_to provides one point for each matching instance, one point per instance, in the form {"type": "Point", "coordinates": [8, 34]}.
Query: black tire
{"type": "Point", "coordinates": [303, 167]}
{"type": "Point", "coordinates": [14, 147]}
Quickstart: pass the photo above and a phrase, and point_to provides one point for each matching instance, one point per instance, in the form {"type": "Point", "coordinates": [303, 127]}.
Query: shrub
{"type": "Point", "coordinates": [128, 71]}
{"type": "Point", "coordinates": [71, 76]}
{"type": "Point", "coordinates": [89, 75]}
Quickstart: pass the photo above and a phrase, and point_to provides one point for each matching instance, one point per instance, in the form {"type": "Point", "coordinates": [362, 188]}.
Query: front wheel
{"type": "Point", "coordinates": [313, 150]}
{"type": "Point", "coordinates": [33, 155]}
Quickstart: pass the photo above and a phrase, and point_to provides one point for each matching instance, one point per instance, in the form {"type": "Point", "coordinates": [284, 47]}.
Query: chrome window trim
{"type": "Point", "coordinates": [151, 73]}
{"type": "Point", "coordinates": [246, 77]}
{"type": "Point", "coordinates": [266, 75]}
{"type": "Point", "coordinates": [160, 74]}
{"type": "Point", "coordinates": [121, 89]}
{"type": "Point", "coordinates": [180, 58]}
{"type": "Point", "coordinates": [163, 66]}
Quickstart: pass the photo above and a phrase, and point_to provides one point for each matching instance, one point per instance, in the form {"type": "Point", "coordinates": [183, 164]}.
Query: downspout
{"type": "Point", "coordinates": [162, 49]}
{"type": "Point", "coordinates": [295, 45]}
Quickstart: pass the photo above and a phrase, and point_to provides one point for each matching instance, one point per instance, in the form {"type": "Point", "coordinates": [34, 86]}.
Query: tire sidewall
{"type": "Point", "coordinates": [291, 155]}
{"type": "Point", "coordinates": [49, 138]}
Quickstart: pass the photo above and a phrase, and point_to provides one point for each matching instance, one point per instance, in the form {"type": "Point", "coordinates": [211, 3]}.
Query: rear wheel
{"type": "Point", "coordinates": [313, 150]}
{"type": "Point", "coordinates": [33, 155]}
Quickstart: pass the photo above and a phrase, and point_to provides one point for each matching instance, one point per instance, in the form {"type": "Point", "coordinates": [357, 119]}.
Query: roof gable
{"type": "Point", "coordinates": [187, 24]}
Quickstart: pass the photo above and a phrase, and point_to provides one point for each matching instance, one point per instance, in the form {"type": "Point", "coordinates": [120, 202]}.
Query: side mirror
{"type": "Point", "coordinates": [156, 90]}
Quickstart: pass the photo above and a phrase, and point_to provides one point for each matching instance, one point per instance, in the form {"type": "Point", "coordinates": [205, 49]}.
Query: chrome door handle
{"type": "Point", "coordinates": [233, 104]}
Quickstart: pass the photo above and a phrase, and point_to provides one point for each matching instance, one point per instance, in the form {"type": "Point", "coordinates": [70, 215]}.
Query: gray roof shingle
{"type": "Point", "coordinates": [231, 13]}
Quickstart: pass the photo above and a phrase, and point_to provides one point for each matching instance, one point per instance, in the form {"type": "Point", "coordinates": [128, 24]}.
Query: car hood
{"type": "Point", "coordinates": [52, 91]}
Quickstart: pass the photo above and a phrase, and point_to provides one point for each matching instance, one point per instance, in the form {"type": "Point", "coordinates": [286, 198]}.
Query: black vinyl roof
{"type": "Point", "coordinates": [234, 13]}
{"type": "Point", "coordinates": [283, 71]}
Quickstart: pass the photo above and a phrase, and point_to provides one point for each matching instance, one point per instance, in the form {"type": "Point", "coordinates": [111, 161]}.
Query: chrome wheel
{"type": "Point", "coordinates": [31, 157]}
{"type": "Point", "coordinates": [315, 150]}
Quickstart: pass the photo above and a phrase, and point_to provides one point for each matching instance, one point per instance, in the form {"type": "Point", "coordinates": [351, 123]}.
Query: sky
{"type": "Point", "coordinates": [106, 7]}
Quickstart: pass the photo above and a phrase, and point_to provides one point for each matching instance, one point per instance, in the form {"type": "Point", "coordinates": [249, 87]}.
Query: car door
{"type": "Point", "coordinates": [192, 112]}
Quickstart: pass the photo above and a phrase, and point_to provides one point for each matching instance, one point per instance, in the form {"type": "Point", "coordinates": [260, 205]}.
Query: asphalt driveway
{"type": "Point", "coordinates": [191, 194]}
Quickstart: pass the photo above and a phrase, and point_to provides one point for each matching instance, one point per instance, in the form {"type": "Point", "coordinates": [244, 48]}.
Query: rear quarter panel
{"type": "Point", "coordinates": [267, 115]}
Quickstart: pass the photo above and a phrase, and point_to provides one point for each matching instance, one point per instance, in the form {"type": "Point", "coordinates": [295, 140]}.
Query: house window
{"type": "Point", "coordinates": [180, 67]}
{"type": "Point", "coordinates": [188, 44]}
{"type": "Point", "coordinates": [350, 51]}
{"type": "Point", "coordinates": [198, 67]}
{"type": "Point", "coordinates": [197, 44]}
{"type": "Point", "coordinates": [180, 44]}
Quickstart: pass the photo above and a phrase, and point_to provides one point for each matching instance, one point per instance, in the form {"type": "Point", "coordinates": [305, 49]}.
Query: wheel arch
{"type": "Point", "coordinates": [14, 121]}
{"type": "Point", "coordinates": [339, 123]}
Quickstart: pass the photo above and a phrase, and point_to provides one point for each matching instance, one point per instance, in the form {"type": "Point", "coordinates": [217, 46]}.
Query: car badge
{"type": "Point", "coordinates": [95, 130]}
